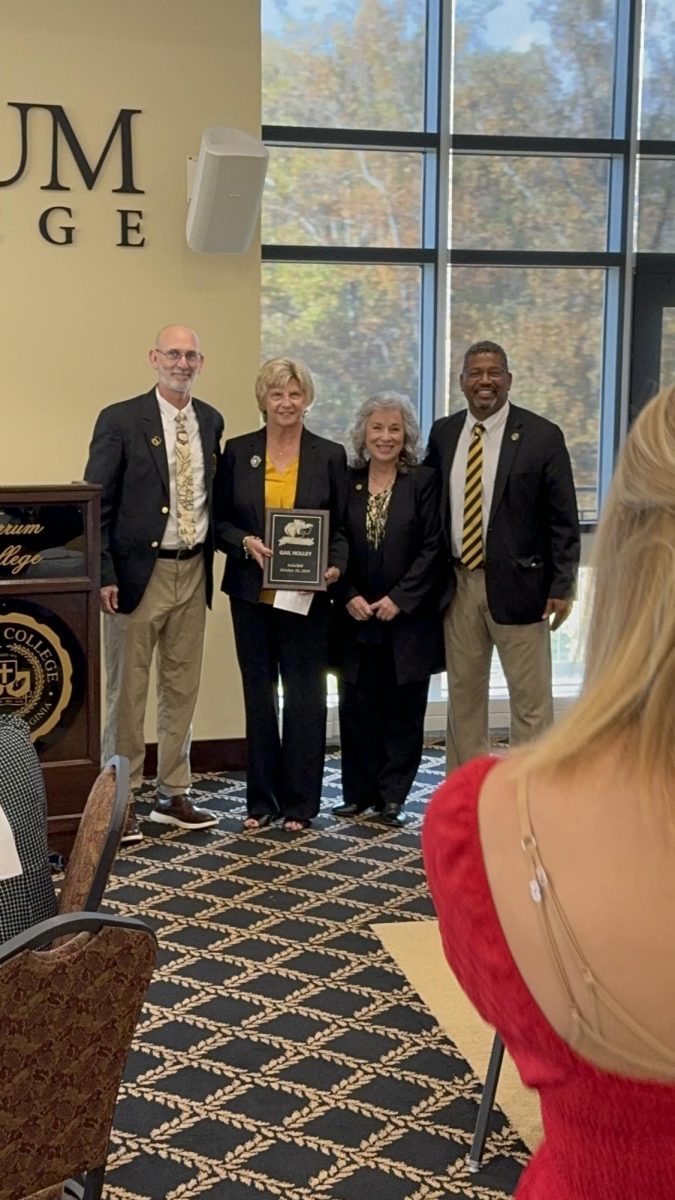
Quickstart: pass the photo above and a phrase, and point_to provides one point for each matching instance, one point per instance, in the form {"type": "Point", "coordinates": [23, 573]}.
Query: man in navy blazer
{"type": "Point", "coordinates": [157, 545]}
{"type": "Point", "coordinates": [521, 583]}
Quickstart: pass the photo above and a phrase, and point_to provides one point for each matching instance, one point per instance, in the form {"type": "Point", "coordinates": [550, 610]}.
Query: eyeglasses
{"type": "Point", "coordinates": [191, 357]}
{"type": "Point", "coordinates": [478, 372]}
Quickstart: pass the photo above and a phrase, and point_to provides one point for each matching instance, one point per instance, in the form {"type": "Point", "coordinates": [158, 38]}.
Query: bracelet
{"type": "Point", "coordinates": [247, 553]}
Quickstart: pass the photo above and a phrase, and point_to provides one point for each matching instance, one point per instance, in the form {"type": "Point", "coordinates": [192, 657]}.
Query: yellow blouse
{"type": "Point", "coordinates": [280, 489]}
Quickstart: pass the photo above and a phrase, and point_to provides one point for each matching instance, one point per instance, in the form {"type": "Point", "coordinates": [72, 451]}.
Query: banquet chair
{"type": "Point", "coordinates": [475, 1156]}
{"type": "Point", "coordinates": [68, 1015]}
{"type": "Point", "coordinates": [97, 840]}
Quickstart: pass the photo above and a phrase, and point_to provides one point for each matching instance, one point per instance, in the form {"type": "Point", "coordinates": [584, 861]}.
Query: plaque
{"type": "Point", "coordinates": [298, 539]}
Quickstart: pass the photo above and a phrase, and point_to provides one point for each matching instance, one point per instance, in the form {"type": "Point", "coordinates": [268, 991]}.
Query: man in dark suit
{"type": "Point", "coordinates": [155, 457]}
{"type": "Point", "coordinates": [508, 507]}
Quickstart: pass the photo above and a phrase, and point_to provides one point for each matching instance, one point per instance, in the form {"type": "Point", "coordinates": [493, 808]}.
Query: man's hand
{"type": "Point", "coordinates": [385, 609]}
{"type": "Point", "coordinates": [332, 575]}
{"type": "Point", "coordinates": [109, 599]}
{"type": "Point", "coordinates": [359, 609]}
{"type": "Point", "coordinates": [559, 610]}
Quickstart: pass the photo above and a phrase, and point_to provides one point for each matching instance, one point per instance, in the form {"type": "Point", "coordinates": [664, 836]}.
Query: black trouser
{"type": "Point", "coordinates": [285, 766]}
{"type": "Point", "coordinates": [381, 731]}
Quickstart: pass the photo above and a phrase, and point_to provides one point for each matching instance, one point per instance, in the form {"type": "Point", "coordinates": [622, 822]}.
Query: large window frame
{"type": "Point", "coordinates": [438, 144]}
{"type": "Point", "coordinates": [436, 255]}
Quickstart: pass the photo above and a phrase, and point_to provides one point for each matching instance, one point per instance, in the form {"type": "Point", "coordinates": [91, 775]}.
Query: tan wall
{"type": "Point", "coordinates": [77, 321]}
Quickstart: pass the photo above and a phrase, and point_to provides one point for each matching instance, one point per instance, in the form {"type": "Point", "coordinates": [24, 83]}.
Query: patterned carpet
{"type": "Point", "coordinates": [281, 1052]}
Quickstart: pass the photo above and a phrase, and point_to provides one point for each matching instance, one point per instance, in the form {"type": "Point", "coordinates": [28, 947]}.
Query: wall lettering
{"type": "Point", "coordinates": [64, 141]}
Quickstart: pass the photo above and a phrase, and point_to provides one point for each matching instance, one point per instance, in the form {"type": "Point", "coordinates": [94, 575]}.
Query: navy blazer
{"type": "Point", "coordinates": [127, 457]}
{"type": "Point", "coordinates": [533, 541]}
{"type": "Point", "coordinates": [240, 502]}
{"type": "Point", "coordinates": [412, 561]}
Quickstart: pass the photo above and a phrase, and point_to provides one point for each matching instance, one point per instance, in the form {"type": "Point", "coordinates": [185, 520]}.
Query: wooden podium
{"type": "Point", "coordinates": [49, 638]}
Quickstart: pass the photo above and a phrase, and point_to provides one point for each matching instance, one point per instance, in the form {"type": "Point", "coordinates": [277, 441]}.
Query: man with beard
{"type": "Point", "coordinates": [509, 513]}
{"type": "Point", "coordinates": [155, 457]}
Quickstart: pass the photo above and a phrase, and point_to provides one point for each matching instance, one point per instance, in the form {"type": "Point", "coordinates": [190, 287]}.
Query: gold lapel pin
{"type": "Point", "coordinates": [256, 460]}
{"type": "Point", "coordinates": [156, 441]}
{"type": "Point", "coordinates": [515, 437]}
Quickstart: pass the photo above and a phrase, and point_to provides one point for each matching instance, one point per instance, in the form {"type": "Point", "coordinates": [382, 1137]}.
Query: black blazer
{"type": "Point", "coordinates": [240, 502]}
{"type": "Point", "coordinates": [533, 541]}
{"type": "Point", "coordinates": [128, 458]}
{"type": "Point", "coordinates": [412, 562]}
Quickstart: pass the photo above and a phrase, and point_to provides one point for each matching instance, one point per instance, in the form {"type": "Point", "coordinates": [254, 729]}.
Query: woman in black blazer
{"type": "Point", "coordinates": [389, 630]}
{"type": "Point", "coordinates": [282, 465]}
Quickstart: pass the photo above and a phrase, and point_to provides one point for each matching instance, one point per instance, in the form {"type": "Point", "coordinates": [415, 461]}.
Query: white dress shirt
{"type": "Point", "coordinates": [492, 444]}
{"type": "Point", "coordinates": [168, 413]}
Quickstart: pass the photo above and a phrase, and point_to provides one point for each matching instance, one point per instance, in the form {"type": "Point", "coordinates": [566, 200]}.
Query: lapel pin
{"type": "Point", "coordinates": [515, 437]}
{"type": "Point", "coordinates": [256, 460]}
{"type": "Point", "coordinates": [156, 441]}
{"type": "Point", "coordinates": [359, 487]}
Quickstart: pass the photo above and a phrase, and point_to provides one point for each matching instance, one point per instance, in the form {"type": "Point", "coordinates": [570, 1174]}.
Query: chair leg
{"type": "Point", "coordinates": [475, 1155]}
{"type": "Point", "coordinates": [93, 1187]}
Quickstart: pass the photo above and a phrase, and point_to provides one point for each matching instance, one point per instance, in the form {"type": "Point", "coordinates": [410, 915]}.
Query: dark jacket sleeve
{"type": "Point", "coordinates": [229, 534]}
{"type": "Point", "coordinates": [423, 571]}
{"type": "Point", "coordinates": [338, 549]}
{"type": "Point", "coordinates": [563, 519]}
{"type": "Point", "coordinates": [106, 466]}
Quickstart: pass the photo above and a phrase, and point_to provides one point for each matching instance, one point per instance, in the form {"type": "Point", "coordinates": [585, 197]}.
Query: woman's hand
{"type": "Point", "coordinates": [256, 549]}
{"type": "Point", "coordinates": [359, 609]}
{"type": "Point", "coordinates": [332, 575]}
{"type": "Point", "coordinates": [385, 609]}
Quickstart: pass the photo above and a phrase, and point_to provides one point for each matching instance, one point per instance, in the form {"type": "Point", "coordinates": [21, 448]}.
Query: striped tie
{"type": "Point", "coordinates": [185, 508]}
{"type": "Point", "coordinates": [473, 554]}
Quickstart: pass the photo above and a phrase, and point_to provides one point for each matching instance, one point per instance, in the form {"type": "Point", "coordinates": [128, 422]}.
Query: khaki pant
{"type": "Point", "coordinates": [170, 619]}
{"type": "Point", "coordinates": [470, 634]}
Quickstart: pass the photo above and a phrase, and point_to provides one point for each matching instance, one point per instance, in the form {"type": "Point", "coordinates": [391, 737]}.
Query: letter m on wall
{"type": "Point", "coordinates": [64, 136]}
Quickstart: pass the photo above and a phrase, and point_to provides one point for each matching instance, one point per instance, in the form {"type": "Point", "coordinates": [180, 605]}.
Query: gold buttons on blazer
{"type": "Point", "coordinates": [165, 508]}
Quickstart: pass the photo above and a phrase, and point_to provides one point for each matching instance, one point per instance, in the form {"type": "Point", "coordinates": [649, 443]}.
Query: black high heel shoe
{"type": "Point", "coordinates": [391, 814]}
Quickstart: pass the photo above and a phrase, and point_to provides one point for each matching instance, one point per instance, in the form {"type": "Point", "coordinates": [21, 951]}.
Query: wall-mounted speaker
{"type": "Point", "coordinates": [226, 192]}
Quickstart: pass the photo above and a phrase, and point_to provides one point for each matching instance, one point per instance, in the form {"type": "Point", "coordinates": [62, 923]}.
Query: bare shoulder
{"type": "Point", "coordinates": [498, 793]}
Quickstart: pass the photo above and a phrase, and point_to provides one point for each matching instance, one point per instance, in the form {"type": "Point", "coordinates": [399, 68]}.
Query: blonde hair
{"type": "Point", "coordinates": [277, 372]}
{"type": "Point", "coordinates": [628, 697]}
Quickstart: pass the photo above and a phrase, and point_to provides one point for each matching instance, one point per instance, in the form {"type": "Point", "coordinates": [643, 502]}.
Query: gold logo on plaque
{"type": "Point", "coordinates": [36, 672]}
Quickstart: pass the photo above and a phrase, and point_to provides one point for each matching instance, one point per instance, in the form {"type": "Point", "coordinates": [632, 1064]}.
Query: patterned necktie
{"type": "Point", "coordinates": [473, 553]}
{"type": "Point", "coordinates": [185, 506]}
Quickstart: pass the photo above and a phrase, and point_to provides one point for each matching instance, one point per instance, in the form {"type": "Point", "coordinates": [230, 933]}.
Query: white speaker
{"type": "Point", "coordinates": [226, 192]}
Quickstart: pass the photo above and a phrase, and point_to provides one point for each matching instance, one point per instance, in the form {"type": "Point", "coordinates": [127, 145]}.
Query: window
{"type": "Point", "coordinates": [447, 170]}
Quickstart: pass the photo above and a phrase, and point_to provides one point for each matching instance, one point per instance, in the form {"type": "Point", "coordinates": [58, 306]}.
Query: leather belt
{"type": "Point", "coordinates": [181, 552]}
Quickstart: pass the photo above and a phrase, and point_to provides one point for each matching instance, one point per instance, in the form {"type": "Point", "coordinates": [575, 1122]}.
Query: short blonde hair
{"type": "Point", "coordinates": [629, 687]}
{"type": "Point", "coordinates": [277, 372]}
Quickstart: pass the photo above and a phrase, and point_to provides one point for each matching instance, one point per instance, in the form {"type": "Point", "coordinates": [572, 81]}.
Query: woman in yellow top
{"type": "Point", "coordinates": [282, 465]}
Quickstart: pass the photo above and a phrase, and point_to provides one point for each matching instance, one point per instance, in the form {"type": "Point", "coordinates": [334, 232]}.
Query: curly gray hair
{"type": "Point", "coordinates": [410, 454]}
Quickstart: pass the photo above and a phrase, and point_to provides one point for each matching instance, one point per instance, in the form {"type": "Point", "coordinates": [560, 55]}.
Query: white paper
{"type": "Point", "coordinates": [10, 866]}
{"type": "Point", "coordinates": [297, 602]}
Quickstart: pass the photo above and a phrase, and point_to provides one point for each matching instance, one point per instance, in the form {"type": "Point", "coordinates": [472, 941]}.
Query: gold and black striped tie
{"type": "Point", "coordinates": [473, 553]}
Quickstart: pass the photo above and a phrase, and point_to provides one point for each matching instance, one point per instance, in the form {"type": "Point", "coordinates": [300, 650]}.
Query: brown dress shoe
{"type": "Point", "coordinates": [132, 830]}
{"type": "Point", "coordinates": [180, 811]}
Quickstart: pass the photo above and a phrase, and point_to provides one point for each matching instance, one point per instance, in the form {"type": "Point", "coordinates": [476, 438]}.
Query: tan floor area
{"type": "Point", "coordinates": [416, 948]}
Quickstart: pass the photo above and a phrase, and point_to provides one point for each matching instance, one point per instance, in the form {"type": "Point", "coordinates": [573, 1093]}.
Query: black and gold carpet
{"type": "Point", "coordinates": [281, 1051]}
